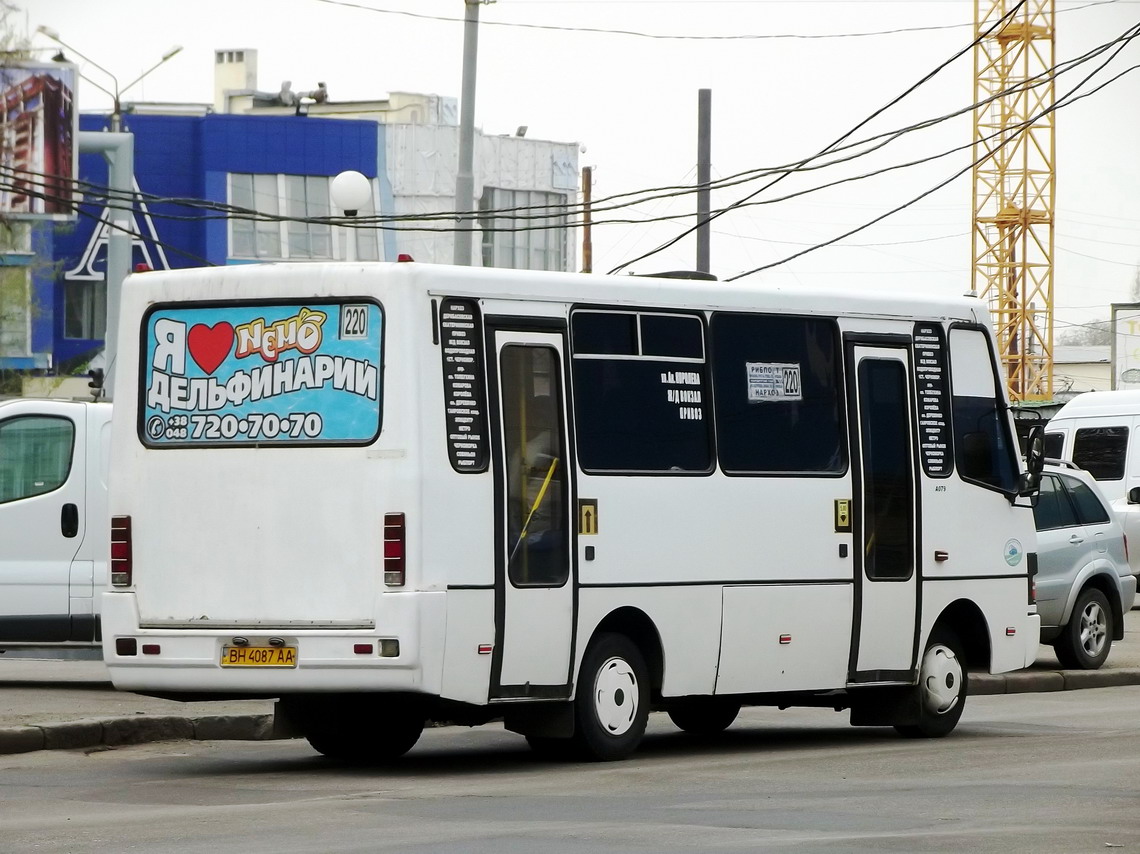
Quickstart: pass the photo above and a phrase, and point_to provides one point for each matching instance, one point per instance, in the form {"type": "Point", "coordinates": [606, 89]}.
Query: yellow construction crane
{"type": "Point", "coordinates": [1014, 181]}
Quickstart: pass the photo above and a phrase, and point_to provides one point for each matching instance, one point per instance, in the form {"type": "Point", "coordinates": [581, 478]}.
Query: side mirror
{"type": "Point", "coordinates": [1134, 495]}
{"type": "Point", "coordinates": [1030, 480]}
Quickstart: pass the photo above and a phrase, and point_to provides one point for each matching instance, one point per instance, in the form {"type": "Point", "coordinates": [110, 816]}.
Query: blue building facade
{"type": "Point", "coordinates": [213, 158]}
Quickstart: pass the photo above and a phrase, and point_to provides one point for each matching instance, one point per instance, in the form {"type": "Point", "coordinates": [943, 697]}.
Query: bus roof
{"type": "Point", "coordinates": [252, 281]}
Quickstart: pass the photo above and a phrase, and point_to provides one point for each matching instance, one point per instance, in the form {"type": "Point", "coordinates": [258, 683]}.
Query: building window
{"type": "Point", "coordinates": [294, 198]}
{"type": "Point", "coordinates": [523, 229]}
{"type": "Point", "coordinates": [85, 310]}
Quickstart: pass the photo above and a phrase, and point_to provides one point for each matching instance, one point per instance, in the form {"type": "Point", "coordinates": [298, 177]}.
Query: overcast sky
{"type": "Point", "coordinates": [602, 73]}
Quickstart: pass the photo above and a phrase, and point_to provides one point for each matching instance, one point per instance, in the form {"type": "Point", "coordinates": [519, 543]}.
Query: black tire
{"type": "Point", "coordinates": [359, 729]}
{"type": "Point", "coordinates": [940, 695]}
{"type": "Point", "coordinates": [1085, 641]}
{"type": "Point", "coordinates": [611, 708]}
{"type": "Point", "coordinates": [704, 715]}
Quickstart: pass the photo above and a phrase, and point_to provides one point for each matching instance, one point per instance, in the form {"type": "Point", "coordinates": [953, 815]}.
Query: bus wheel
{"type": "Point", "coordinates": [704, 715]}
{"type": "Point", "coordinates": [940, 694]}
{"type": "Point", "coordinates": [1085, 642]}
{"type": "Point", "coordinates": [361, 729]}
{"type": "Point", "coordinates": [612, 706]}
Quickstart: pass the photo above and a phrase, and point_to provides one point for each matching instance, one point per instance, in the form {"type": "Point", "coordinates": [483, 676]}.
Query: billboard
{"type": "Point", "coordinates": [1126, 345]}
{"type": "Point", "coordinates": [39, 130]}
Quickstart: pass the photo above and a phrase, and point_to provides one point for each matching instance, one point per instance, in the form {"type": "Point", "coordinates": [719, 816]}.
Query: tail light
{"type": "Point", "coordinates": [394, 549]}
{"type": "Point", "coordinates": [1031, 565]}
{"type": "Point", "coordinates": [122, 568]}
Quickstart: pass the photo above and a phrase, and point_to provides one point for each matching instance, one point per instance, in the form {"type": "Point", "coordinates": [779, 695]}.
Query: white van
{"type": "Point", "coordinates": [1100, 432]}
{"type": "Point", "coordinates": [54, 537]}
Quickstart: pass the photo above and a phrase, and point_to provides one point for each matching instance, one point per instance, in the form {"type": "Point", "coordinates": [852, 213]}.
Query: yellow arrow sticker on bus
{"type": "Point", "coordinates": [587, 516]}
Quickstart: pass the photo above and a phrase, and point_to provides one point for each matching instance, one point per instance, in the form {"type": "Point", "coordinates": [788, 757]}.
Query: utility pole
{"type": "Point", "coordinates": [587, 243]}
{"type": "Point", "coordinates": [465, 174]}
{"type": "Point", "coordinates": [119, 149]}
{"type": "Point", "coordinates": [704, 170]}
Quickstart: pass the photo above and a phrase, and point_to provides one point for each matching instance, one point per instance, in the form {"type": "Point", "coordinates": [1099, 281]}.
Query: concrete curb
{"type": "Point", "coordinates": [1042, 681]}
{"type": "Point", "coordinates": [112, 732]}
{"type": "Point", "coordinates": [139, 729]}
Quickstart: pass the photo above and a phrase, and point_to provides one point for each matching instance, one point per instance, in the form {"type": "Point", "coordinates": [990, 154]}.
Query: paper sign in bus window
{"type": "Point", "coordinates": [262, 374]}
{"type": "Point", "coordinates": [773, 381]}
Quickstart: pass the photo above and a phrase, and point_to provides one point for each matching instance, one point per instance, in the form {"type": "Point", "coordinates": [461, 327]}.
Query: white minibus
{"type": "Point", "coordinates": [1100, 432]}
{"type": "Point", "coordinates": [391, 493]}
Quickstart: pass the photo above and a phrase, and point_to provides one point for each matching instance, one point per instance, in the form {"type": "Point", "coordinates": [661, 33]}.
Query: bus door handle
{"type": "Point", "coordinates": [69, 520]}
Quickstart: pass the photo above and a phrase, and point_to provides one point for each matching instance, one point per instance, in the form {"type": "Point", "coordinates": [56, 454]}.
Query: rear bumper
{"type": "Point", "coordinates": [182, 660]}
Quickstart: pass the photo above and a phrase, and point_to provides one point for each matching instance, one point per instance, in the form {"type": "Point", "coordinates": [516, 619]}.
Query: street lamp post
{"type": "Point", "coordinates": [117, 94]}
{"type": "Point", "coordinates": [118, 148]}
{"type": "Point", "coordinates": [350, 191]}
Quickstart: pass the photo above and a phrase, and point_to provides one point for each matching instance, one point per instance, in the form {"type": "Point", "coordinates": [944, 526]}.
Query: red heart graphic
{"type": "Point", "coordinates": [209, 345]}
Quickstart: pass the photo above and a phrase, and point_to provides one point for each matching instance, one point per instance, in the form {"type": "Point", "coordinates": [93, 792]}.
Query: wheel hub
{"type": "Point", "coordinates": [941, 680]}
{"type": "Point", "coordinates": [1094, 629]}
{"type": "Point", "coordinates": [616, 696]}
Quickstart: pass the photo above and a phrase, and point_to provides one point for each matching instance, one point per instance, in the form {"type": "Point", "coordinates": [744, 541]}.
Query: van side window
{"type": "Point", "coordinates": [1100, 451]}
{"type": "Point", "coordinates": [640, 392]}
{"type": "Point", "coordinates": [1054, 445]}
{"type": "Point", "coordinates": [778, 394]}
{"type": "Point", "coordinates": [984, 448]}
{"type": "Point", "coordinates": [35, 455]}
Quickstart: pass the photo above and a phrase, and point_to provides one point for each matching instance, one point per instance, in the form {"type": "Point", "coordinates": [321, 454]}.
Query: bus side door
{"type": "Point", "coordinates": [534, 578]}
{"type": "Point", "coordinates": [886, 511]}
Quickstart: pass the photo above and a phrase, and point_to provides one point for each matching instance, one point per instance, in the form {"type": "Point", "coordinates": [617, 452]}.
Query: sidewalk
{"type": "Point", "coordinates": [48, 703]}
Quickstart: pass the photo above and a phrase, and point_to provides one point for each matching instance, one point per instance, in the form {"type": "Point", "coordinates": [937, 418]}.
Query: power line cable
{"type": "Point", "coordinates": [1069, 97]}
{"type": "Point", "coordinates": [941, 66]}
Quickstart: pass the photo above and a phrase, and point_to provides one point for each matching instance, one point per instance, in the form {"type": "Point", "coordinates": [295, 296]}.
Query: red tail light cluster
{"type": "Point", "coordinates": [122, 569]}
{"type": "Point", "coordinates": [394, 549]}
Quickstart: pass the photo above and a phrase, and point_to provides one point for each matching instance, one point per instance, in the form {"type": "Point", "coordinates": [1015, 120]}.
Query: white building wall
{"type": "Point", "coordinates": [422, 161]}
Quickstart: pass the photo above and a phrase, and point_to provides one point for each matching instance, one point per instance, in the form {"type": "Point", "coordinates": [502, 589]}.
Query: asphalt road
{"type": "Point", "coordinates": [1022, 773]}
{"type": "Point", "coordinates": [70, 703]}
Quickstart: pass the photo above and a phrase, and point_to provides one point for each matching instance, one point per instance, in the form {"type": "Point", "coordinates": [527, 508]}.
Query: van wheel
{"type": "Point", "coordinates": [704, 715]}
{"type": "Point", "coordinates": [1085, 642]}
{"type": "Point", "coordinates": [940, 695]}
{"type": "Point", "coordinates": [611, 708]}
{"type": "Point", "coordinates": [359, 729]}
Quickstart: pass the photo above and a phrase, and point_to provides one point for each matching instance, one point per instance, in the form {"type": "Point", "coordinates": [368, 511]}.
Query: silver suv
{"type": "Point", "coordinates": [1084, 583]}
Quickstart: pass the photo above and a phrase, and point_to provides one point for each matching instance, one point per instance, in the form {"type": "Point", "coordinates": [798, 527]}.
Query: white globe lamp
{"type": "Point", "coordinates": [350, 192]}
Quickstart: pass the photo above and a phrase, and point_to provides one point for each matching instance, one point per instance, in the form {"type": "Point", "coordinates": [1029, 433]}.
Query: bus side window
{"type": "Point", "coordinates": [983, 445]}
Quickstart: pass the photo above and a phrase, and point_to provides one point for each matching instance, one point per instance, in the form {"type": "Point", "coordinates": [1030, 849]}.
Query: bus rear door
{"type": "Point", "coordinates": [535, 587]}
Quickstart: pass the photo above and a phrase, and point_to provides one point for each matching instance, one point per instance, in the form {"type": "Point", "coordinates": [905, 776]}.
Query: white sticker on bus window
{"type": "Point", "coordinates": [769, 381]}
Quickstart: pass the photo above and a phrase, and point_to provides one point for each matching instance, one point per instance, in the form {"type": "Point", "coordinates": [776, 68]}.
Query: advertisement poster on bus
{"type": "Point", "coordinates": [263, 374]}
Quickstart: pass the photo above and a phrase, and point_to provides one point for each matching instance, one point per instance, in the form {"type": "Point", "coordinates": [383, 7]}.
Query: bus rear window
{"type": "Point", "coordinates": [279, 373]}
